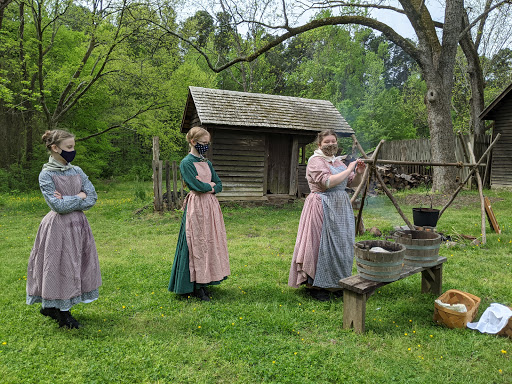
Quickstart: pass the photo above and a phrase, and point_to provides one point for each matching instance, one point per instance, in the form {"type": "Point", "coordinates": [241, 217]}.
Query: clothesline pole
{"type": "Point", "coordinates": [469, 155]}
{"type": "Point", "coordinates": [372, 163]}
{"type": "Point", "coordinates": [473, 170]}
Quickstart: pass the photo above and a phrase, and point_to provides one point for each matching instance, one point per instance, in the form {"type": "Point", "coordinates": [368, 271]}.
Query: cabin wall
{"type": "Point", "coordinates": [239, 159]}
{"type": "Point", "coordinates": [501, 171]}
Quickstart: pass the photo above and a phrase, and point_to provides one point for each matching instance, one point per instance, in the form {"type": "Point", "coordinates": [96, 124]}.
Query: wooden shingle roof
{"type": "Point", "coordinates": [217, 107]}
{"type": "Point", "coordinates": [488, 113]}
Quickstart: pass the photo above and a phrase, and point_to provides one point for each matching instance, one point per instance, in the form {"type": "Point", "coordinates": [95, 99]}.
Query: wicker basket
{"type": "Point", "coordinates": [454, 319]}
{"type": "Point", "coordinates": [507, 329]}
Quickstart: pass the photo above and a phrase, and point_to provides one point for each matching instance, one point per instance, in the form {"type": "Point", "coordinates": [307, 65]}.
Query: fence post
{"type": "Point", "coordinates": [168, 185]}
{"type": "Point", "coordinates": [157, 176]}
{"type": "Point", "coordinates": [175, 182]}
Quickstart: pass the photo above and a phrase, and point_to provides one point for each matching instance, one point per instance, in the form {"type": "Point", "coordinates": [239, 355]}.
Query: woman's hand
{"type": "Point", "coordinates": [82, 195]}
{"type": "Point", "coordinates": [360, 166]}
{"type": "Point", "coordinates": [57, 194]}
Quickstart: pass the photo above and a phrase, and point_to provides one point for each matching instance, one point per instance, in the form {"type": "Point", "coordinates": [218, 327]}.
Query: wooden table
{"type": "Point", "coordinates": [357, 290]}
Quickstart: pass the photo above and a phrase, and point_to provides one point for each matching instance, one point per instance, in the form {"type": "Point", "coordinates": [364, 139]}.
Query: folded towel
{"type": "Point", "coordinates": [493, 320]}
{"type": "Point", "coordinates": [454, 307]}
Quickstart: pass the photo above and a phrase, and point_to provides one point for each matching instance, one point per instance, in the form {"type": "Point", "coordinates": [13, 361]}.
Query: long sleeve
{"type": "Point", "coordinates": [189, 173]}
{"type": "Point", "coordinates": [318, 173]}
{"type": "Point", "coordinates": [66, 204]}
{"type": "Point", "coordinates": [88, 189]}
{"type": "Point", "coordinates": [215, 179]}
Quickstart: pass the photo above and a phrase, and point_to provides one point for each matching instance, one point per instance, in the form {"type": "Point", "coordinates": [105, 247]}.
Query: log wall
{"type": "Point", "coordinates": [239, 159]}
{"type": "Point", "coordinates": [501, 171]}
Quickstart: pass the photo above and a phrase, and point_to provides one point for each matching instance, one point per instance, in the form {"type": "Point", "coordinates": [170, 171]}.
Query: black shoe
{"type": "Point", "coordinates": [338, 294]}
{"type": "Point", "coordinates": [54, 313]}
{"type": "Point", "coordinates": [201, 294]}
{"type": "Point", "coordinates": [68, 321]}
{"type": "Point", "coordinates": [319, 294]}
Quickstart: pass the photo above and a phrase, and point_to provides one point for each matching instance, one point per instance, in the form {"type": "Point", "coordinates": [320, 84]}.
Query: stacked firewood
{"type": "Point", "coordinates": [398, 181]}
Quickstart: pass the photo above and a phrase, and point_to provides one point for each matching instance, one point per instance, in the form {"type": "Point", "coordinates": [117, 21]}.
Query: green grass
{"type": "Point", "coordinates": [257, 329]}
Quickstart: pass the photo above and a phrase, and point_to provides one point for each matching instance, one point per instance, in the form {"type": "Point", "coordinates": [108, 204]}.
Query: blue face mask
{"type": "Point", "coordinates": [68, 155]}
{"type": "Point", "coordinates": [202, 149]}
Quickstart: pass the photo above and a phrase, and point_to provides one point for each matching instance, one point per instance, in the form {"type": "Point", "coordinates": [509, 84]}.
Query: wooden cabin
{"type": "Point", "coordinates": [258, 140]}
{"type": "Point", "coordinates": [500, 110]}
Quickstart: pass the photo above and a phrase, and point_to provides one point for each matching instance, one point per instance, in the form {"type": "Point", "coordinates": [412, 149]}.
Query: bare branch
{"type": "Point", "coordinates": [119, 125]}
{"type": "Point", "coordinates": [484, 14]}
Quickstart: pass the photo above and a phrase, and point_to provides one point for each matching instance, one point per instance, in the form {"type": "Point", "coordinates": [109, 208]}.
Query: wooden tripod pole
{"type": "Point", "coordinates": [468, 153]}
{"type": "Point", "coordinates": [473, 170]}
{"type": "Point", "coordinates": [381, 181]}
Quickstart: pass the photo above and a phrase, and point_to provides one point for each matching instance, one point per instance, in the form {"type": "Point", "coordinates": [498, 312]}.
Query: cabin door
{"type": "Point", "coordinates": [278, 176]}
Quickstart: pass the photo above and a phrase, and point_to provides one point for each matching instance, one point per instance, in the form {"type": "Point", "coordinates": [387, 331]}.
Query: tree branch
{"type": "Point", "coordinates": [137, 114]}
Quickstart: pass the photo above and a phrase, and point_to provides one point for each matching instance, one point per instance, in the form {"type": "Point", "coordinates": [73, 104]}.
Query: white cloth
{"type": "Point", "coordinates": [54, 165]}
{"type": "Point", "coordinates": [493, 319]}
{"type": "Point", "coordinates": [379, 249]}
{"type": "Point", "coordinates": [454, 307]}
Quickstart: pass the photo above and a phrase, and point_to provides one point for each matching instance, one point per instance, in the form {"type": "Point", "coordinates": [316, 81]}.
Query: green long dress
{"type": "Point", "coordinates": [201, 256]}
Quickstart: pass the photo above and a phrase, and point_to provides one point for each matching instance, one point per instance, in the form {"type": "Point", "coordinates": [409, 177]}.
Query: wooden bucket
{"type": "Point", "coordinates": [379, 266]}
{"type": "Point", "coordinates": [422, 247]}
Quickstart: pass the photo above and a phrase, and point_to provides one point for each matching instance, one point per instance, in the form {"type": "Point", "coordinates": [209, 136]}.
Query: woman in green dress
{"type": "Point", "coordinates": [201, 257]}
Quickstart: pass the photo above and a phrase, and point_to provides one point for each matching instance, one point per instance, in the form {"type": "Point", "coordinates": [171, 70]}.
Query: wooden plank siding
{"type": "Point", "coordinates": [239, 160]}
{"type": "Point", "coordinates": [501, 171]}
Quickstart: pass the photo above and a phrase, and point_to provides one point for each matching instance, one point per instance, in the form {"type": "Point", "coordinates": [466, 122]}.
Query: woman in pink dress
{"type": "Point", "coordinates": [324, 251]}
{"type": "Point", "coordinates": [201, 257]}
{"type": "Point", "coordinates": [63, 268]}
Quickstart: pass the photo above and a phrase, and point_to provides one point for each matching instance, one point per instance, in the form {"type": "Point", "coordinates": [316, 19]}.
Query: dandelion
{"type": "Point", "coordinates": [408, 349]}
{"type": "Point", "coordinates": [124, 307]}
{"type": "Point", "coordinates": [294, 353]}
{"type": "Point", "coordinates": [405, 334]}
{"type": "Point", "coordinates": [273, 361]}
{"type": "Point", "coordinates": [503, 351]}
{"type": "Point", "coordinates": [410, 321]}
{"type": "Point", "coordinates": [431, 335]}
{"type": "Point", "coordinates": [313, 310]}
{"type": "Point", "coordinates": [241, 318]}
{"type": "Point", "coordinates": [413, 331]}
{"type": "Point", "coordinates": [232, 323]}
{"type": "Point", "coordinates": [199, 326]}
{"type": "Point", "coordinates": [4, 343]}
{"type": "Point", "coordinates": [500, 371]}
{"type": "Point", "coordinates": [419, 345]}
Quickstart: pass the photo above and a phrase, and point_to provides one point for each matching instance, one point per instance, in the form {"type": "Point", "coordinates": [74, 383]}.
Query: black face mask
{"type": "Point", "coordinates": [202, 149]}
{"type": "Point", "coordinates": [68, 155]}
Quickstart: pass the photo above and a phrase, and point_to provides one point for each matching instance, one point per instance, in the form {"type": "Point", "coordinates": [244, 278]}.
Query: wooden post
{"type": "Point", "coordinates": [470, 156]}
{"type": "Point", "coordinates": [175, 182]}
{"type": "Point", "coordinates": [374, 161]}
{"type": "Point", "coordinates": [157, 176]}
{"type": "Point", "coordinates": [487, 151]}
{"type": "Point", "coordinates": [294, 164]}
{"type": "Point", "coordinates": [168, 185]}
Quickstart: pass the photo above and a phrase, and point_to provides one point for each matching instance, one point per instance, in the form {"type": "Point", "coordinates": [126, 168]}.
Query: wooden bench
{"type": "Point", "coordinates": [356, 290]}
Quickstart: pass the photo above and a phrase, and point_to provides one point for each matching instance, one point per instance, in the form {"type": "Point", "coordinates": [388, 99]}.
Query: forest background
{"type": "Point", "coordinates": [109, 72]}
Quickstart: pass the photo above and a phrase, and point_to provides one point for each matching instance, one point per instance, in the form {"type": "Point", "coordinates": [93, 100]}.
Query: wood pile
{"type": "Point", "coordinates": [399, 181]}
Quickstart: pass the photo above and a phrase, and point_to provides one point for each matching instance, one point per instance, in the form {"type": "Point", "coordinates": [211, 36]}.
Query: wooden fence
{"type": "Point", "coordinates": [174, 195]}
{"type": "Point", "coordinates": [419, 150]}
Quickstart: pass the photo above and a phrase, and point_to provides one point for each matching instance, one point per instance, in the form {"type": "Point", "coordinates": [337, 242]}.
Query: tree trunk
{"type": "Point", "coordinates": [476, 80]}
{"type": "Point", "coordinates": [442, 137]}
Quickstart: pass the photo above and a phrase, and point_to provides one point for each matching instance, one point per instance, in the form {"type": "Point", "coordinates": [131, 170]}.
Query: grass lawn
{"type": "Point", "coordinates": [256, 329]}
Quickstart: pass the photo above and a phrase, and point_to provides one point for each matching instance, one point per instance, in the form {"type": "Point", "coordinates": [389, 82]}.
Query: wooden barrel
{"type": "Point", "coordinates": [379, 266]}
{"type": "Point", "coordinates": [422, 247]}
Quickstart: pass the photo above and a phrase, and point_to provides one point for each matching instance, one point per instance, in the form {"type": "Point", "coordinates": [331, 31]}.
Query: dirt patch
{"type": "Point", "coordinates": [439, 201]}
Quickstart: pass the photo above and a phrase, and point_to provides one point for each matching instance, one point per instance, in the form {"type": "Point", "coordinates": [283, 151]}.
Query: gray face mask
{"type": "Point", "coordinates": [329, 149]}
